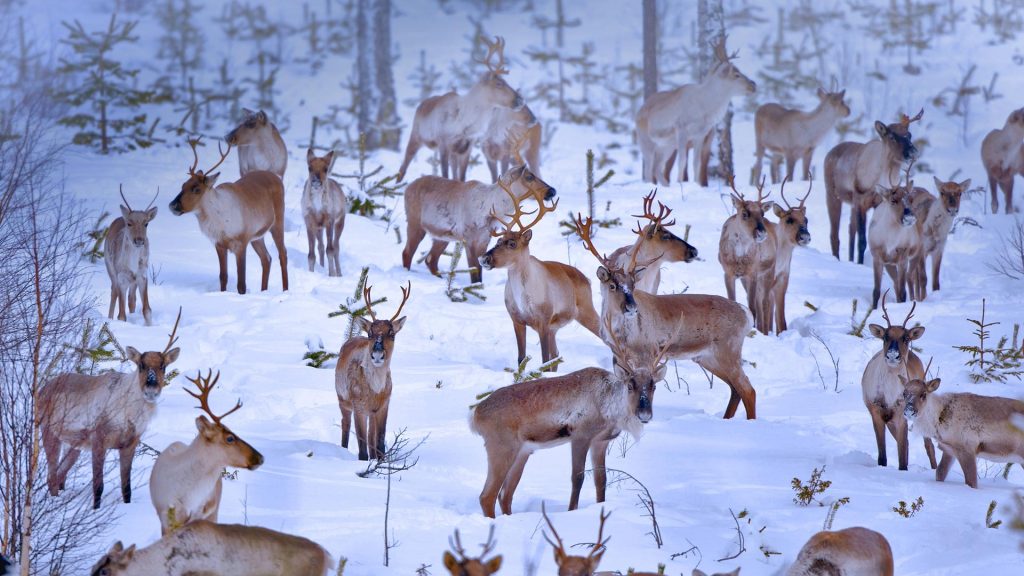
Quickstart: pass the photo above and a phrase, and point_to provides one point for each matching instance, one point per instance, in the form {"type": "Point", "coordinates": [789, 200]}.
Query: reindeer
{"type": "Point", "coordinates": [670, 122]}
{"type": "Point", "coordinates": [126, 255]}
{"type": "Point", "coordinates": [450, 210]}
{"type": "Point", "coordinates": [235, 214]}
{"type": "Point", "coordinates": [204, 547]}
{"type": "Point", "coordinates": [883, 392]}
{"type": "Point", "coordinates": [587, 408]}
{"type": "Point", "coordinates": [462, 565]}
{"type": "Point", "coordinates": [934, 221]}
{"type": "Point", "coordinates": [497, 147]}
{"type": "Point", "coordinates": [185, 484]}
{"type": "Point", "coordinates": [99, 413]}
{"type": "Point", "coordinates": [259, 144]}
{"type": "Point", "coordinates": [793, 134]}
{"type": "Point", "coordinates": [577, 565]}
{"type": "Point", "coordinates": [854, 171]}
{"type": "Point", "coordinates": [362, 378]}
{"type": "Point", "coordinates": [711, 329]}
{"type": "Point", "coordinates": [791, 231]}
{"type": "Point", "coordinates": [850, 552]}
{"type": "Point", "coordinates": [747, 250]}
{"type": "Point", "coordinates": [541, 294]}
{"type": "Point", "coordinates": [654, 244]}
{"type": "Point", "coordinates": [324, 206]}
{"type": "Point", "coordinates": [1003, 157]}
{"type": "Point", "coordinates": [451, 123]}
{"type": "Point", "coordinates": [895, 240]}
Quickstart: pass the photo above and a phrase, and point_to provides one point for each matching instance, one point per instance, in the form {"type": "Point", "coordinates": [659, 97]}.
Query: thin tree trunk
{"type": "Point", "coordinates": [364, 71]}
{"type": "Point", "coordinates": [650, 17]}
{"type": "Point", "coordinates": [33, 456]}
{"type": "Point", "coordinates": [387, 111]}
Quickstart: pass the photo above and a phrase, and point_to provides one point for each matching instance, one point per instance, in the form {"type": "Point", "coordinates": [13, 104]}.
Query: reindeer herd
{"type": "Point", "coordinates": [642, 328]}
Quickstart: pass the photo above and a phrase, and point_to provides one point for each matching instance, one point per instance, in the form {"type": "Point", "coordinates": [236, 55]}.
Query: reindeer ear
{"type": "Point", "coordinates": [881, 129]}
{"type": "Point", "coordinates": [932, 385]}
{"type": "Point", "coordinates": [397, 324]}
{"type": "Point", "coordinates": [766, 206]}
{"type": "Point", "coordinates": [526, 236]}
{"type": "Point", "coordinates": [902, 379]}
{"type": "Point", "coordinates": [450, 562]}
{"type": "Point", "coordinates": [129, 553]}
{"type": "Point", "coordinates": [262, 117]}
{"type": "Point", "coordinates": [310, 156]}
{"type": "Point", "coordinates": [659, 372]}
{"type": "Point", "coordinates": [821, 93]}
{"type": "Point", "coordinates": [737, 203]}
{"type": "Point", "coordinates": [621, 372]}
{"type": "Point", "coordinates": [778, 211]}
{"type": "Point", "coordinates": [151, 213]}
{"type": "Point", "coordinates": [841, 96]}
{"type": "Point", "coordinates": [965, 184]}
{"type": "Point", "coordinates": [596, 560]}
{"type": "Point", "coordinates": [171, 355]}
{"type": "Point", "coordinates": [915, 333]}
{"type": "Point", "coordinates": [876, 330]}
{"type": "Point", "coordinates": [877, 199]}
{"type": "Point", "coordinates": [494, 564]}
{"type": "Point", "coordinates": [697, 572]}
{"type": "Point", "coordinates": [125, 213]}
{"type": "Point", "coordinates": [132, 354]}
{"type": "Point", "coordinates": [363, 323]}
{"type": "Point", "coordinates": [938, 183]}
{"type": "Point", "coordinates": [117, 547]}
{"type": "Point", "coordinates": [248, 112]}
{"type": "Point", "coordinates": [211, 179]}
{"type": "Point", "coordinates": [602, 274]}
{"type": "Point", "coordinates": [330, 160]}
{"type": "Point", "coordinates": [204, 426]}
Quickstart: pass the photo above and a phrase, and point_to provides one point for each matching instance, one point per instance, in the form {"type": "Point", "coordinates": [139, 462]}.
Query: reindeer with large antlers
{"type": "Point", "coordinates": [236, 214]}
{"type": "Point", "coordinates": [541, 294]}
{"type": "Point", "coordinates": [126, 255]}
{"type": "Point", "coordinates": [747, 250]}
{"type": "Point", "coordinates": [451, 123]}
{"type": "Point", "coordinates": [790, 232]}
{"type": "Point", "coordinates": [110, 411]}
{"type": "Point", "coordinates": [883, 390]}
{"type": "Point", "coordinates": [186, 482]}
{"type": "Point", "coordinates": [362, 378]}
{"type": "Point", "coordinates": [576, 565]}
{"type": "Point", "coordinates": [460, 564]}
{"type": "Point", "coordinates": [710, 330]}
{"type": "Point", "coordinates": [655, 244]}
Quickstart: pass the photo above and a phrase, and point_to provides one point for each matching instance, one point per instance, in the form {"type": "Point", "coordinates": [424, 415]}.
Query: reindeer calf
{"type": "Point", "coordinates": [324, 206]}
{"type": "Point", "coordinates": [934, 221]}
{"type": "Point", "coordinates": [126, 255]}
{"type": "Point", "coordinates": [850, 552]}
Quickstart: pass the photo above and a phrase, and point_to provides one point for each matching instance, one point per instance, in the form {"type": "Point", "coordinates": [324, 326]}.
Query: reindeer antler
{"type": "Point", "coordinates": [496, 47]}
{"type": "Point", "coordinates": [910, 314]}
{"type": "Point", "coordinates": [657, 220]}
{"type": "Point", "coordinates": [120, 188]}
{"type": "Point", "coordinates": [516, 144]}
{"type": "Point", "coordinates": [223, 156]}
{"type": "Point", "coordinates": [150, 205]}
{"type": "Point", "coordinates": [405, 297]}
{"type": "Point", "coordinates": [885, 311]}
{"type": "Point", "coordinates": [928, 367]}
{"type": "Point", "coordinates": [172, 338]}
{"type": "Point", "coordinates": [457, 548]}
{"type": "Point", "coordinates": [369, 299]}
{"type": "Point", "coordinates": [205, 385]}
{"type": "Point", "coordinates": [782, 193]}
{"type": "Point", "coordinates": [193, 142]}
{"type": "Point", "coordinates": [584, 231]}
{"type": "Point", "coordinates": [559, 546]}
{"type": "Point", "coordinates": [906, 121]}
{"type": "Point", "coordinates": [600, 544]}
{"type": "Point", "coordinates": [515, 219]}
{"type": "Point", "coordinates": [618, 350]}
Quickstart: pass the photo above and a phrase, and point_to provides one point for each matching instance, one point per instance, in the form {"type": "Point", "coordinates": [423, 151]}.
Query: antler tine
{"type": "Point", "coordinates": [663, 211]}
{"type": "Point", "coordinates": [368, 300]}
{"type": "Point", "coordinates": [668, 342]}
{"type": "Point", "coordinates": [500, 68]}
{"type": "Point", "coordinates": [929, 366]}
{"type": "Point", "coordinates": [736, 193]}
{"type": "Point", "coordinates": [760, 189]}
{"type": "Point", "coordinates": [516, 144]}
{"type": "Point", "coordinates": [810, 184]}
{"type": "Point", "coordinates": [489, 545]}
{"type": "Point", "coordinates": [120, 188]}
{"type": "Point", "coordinates": [618, 350]}
{"type": "Point", "coordinates": [155, 196]}
{"type": "Point", "coordinates": [405, 297]}
{"type": "Point", "coordinates": [457, 545]}
{"type": "Point", "coordinates": [172, 337]}
{"type": "Point", "coordinates": [583, 230]}
{"type": "Point", "coordinates": [910, 314]}
{"type": "Point", "coordinates": [195, 154]}
{"type": "Point", "coordinates": [554, 532]}
{"type": "Point", "coordinates": [600, 532]}
{"type": "Point", "coordinates": [205, 386]}
{"type": "Point", "coordinates": [223, 156]}
{"type": "Point", "coordinates": [633, 263]}
{"type": "Point", "coordinates": [885, 311]}
{"type": "Point", "coordinates": [782, 192]}
{"type": "Point", "coordinates": [513, 218]}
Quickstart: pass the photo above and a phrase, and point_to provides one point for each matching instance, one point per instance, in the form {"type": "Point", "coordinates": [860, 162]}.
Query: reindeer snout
{"type": "Point", "coordinates": [760, 234]}
{"type": "Point", "coordinates": [751, 86]}
{"type": "Point", "coordinates": [892, 357]}
{"type": "Point", "coordinates": [256, 461]}
{"type": "Point", "coordinates": [377, 353]}
{"type": "Point", "coordinates": [691, 254]}
{"type": "Point", "coordinates": [908, 219]}
{"type": "Point", "coordinates": [231, 137]}
{"type": "Point", "coordinates": [803, 238]}
{"type": "Point", "coordinates": [175, 207]}
{"type": "Point", "coordinates": [550, 193]}
{"type": "Point", "coordinates": [628, 304]}
{"type": "Point", "coordinates": [139, 242]}
{"type": "Point", "coordinates": [644, 410]}
{"type": "Point", "coordinates": [518, 102]}
{"type": "Point", "coordinates": [487, 261]}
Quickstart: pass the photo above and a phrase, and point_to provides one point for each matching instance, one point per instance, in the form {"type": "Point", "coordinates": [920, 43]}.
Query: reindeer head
{"type": "Point", "coordinates": [751, 212]}
{"type": "Point", "coordinates": [949, 194]}
{"type": "Point", "coordinates": [514, 240]}
{"type": "Point", "coordinates": [897, 137]}
{"type": "Point", "coordinates": [252, 124]}
{"type": "Point", "coordinates": [319, 168]}
{"type": "Point", "coordinates": [1016, 118]}
{"type": "Point", "coordinates": [198, 183]}
{"type": "Point", "coordinates": [897, 199]}
{"type": "Point", "coordinates": [726, 71]}
{"type": "Point", "coordinates": [152, 365]}
{"type": "Point", "coordinates": [114, 562]}
{"type": "Point", "coordinates": [462, 566]}
{"type": "Point", "coordinates": [657, 234]}
{"type": "Point", "coordinates": [136, 221]}
{"type": "Point", "coordinates": [835, 101]}
{"type": "Point", "coordinates": [896, 339]}
{"type": "Point", "coordinates": [576, 565]}
{"type": "Point", "coordinates": [793, 219]}
{"type": "Point", "coordinates": [916, 393]}
{"type": "Point", "coordinates": [382, 332]}
{"type": "Point", "coordinates": [641, 379]}
{"type": "Point", "coordinates": [492, 87]}
{"type": "Point", "coordinates": [232, 450]}
{"type": "Point", "coordinates": [617, 283]}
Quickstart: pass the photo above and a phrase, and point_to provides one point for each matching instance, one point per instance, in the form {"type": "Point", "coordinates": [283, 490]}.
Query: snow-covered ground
{"type": "Point", "coordinates": [696, 465]}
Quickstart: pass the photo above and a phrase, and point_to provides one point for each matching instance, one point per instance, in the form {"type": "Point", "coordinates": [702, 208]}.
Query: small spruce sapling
{"type": "Point", "coordinates": [354, 306]}
{"type": "Point", "coordinates": [909, 511]}
{"type": "Point", "coordinates": [998, 364]}
{"type": "Point", "coordinates": [569, 224]}
{"type": "Point", "coordinates": [807, 493]}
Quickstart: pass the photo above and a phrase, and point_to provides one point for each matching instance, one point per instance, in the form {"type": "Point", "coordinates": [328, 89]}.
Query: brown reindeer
{"type": "Point", "coordinates": [234, 215]}
{"type": "Point", "coordinates": [110, 411]}
{"type": "Point", "coordinates": [126, 255]}
{"type": "Point", "coordinates": [462, 565]}
{"type": "Point", "coordinates": [883, 392]}
{"type": "Point", "coordinates": [934, 221]}
{"type": "Point", "coordinates": [450, 210]}
{"type": "Point", "coordinates": [577, 565]}
{"type": "Point", "coordinates": [850, 552]}
{"type": "Point", "coordinates": [362, 378]}
{"type": "Point", "coordinates": [451, 123]}
{"type": "Point", "coordinates": [541, 294]}
{"type": "Point", "coordinates": [670, 122]}
{"type": "Point", "coordinates": [324, 206]}
{"type": "Point", "coordinates": [186, 482]}
{"type": "Point", "coordinates": [259, 144]}
{"type": "Point", "coordinates": [587, 408]}
{"type": "Point", "coordinates": [895, 240]}
{"type": "Point", "coordinates": [711, 329]}
{"type": "Point", "coordinates": [655, 244]}
{"type": "Point", "coordinates": [854, 171]}
{"type": "Point", "coordinates": [1003, 157]}
{"type": "Point", "coordinates": [747, 250]}
{"type": "Point", "coordinates": [965, 425]}
{"type": "Point", "coordinates": [790, 232]}
{"type": "Point", "coordinates": [204, 547]}
{"type": "Point", "coordinates": [793, 134]}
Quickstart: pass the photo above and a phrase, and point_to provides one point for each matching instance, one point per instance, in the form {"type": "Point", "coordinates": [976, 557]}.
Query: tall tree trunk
{"type": "Point", "coordinates": [650, 16]}
{"type": "Point", "coordinates": [387, 111]}
{"type": "Point", "coordinates": [365, 83]}
{"type": "Point", "coordinates": [711, 27]}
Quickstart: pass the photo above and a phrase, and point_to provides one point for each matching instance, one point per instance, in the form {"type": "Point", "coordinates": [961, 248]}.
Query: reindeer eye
{"type": "Point", "coordinates": [530, 178]}
{"type": "Point", "coordinates": [746, 214]}
{"type": "Point", "coordinates": [789, 220]}
{"type": "Point", "coordinates": [612, 287]}
{"type": "Point", "coordinates": [230, 439]}
{"type": "Point", "coordinates": [195, 189]}
{"type": "Point", "coordinates": [512, 244]}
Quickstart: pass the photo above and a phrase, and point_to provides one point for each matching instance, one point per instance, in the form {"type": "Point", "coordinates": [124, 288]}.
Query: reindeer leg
{"type": "Point", "coordinates": [414, 234]}
{"type": "Point", "coordinates": [499, 460]}
{"type": "Point", "coordinates": [379, 438]}
{"type": "Point", "coordinates": [113, 300]}
{"type": "Point", "coordinates": [51, 445]}
{"type": "Point", "coordinates": [121, 301]}
{"type": "Point", "coordinates": [131, 296]}
{"type": "Point", "coordinates": [65, 466]}
{"type": "Point", "coordinates": [681, 140]}
{"type": "Point", "coordinates": [993, 187]}
{"type": "Point", "coordinates": [807, 163]}
{"type": "Point", "coordinates": [969, 465]}
{"type": "Point", "coordinates": [705, 157]}
{"type": "Point", "coordinates": [929, 449]}
{"type": "Point", "coordinates": [854, 216]}
{"type": "Point", "coordinates": [545, 347]}
{"type": "Point", "coordinates": [410, 151]}
{"type": "Point", "coordinates": [877, 292]}
{"type": "Point", "coordinates": [598, 454]}
{"type": "Point", "coordinates": [311, 236]}
{"type": "Point", "coordinates": [322, 231]}
{"type": "Point", "coordinates": [261, 251]}
{"type": "Point", "coordinates": [434, 256]}
{"type": "Point", "coordinates": [879, 425]}
{"type": "Point", "coordinates": [339, 227]}
{"type": "Point", "coordinates": [862, 234]}
{"type": "Point", "coordinates": [790, 165]}
{"type": "Point", "coordinates": [835, 212]}
{"type": "Point", "coordinates": [147, 312]}
{"type": "Point", "coordinates": [755, 171]}
{"type": "Point", "coordinates": [1008, 209]}
{"type": "Point", "coordinates": [98, 455]}
{"type": "Point", "coordinates": [731, 372]}
{"type": "Point", "coordinates": [443, 150]}
{"type": "Point", "coordinates": [125, 456]}
{"type": "Point", "coordinates": [944, 465]}
{"type": "Point", "coordinates": [898, 428]}
{"type": "Point", "coordinates": [473, 252]}
{"type": "Point", "coordinates": [730, 285]}
{"type": "Point", "coordinates": [936, 266]}
{"type": "Point", "coordinates": [579, 461]}
{"type": "Point", "coordinates": [346, 422]}
{"type": "Point", "coordinates": [361, 425]}
{"type": "Point", "coordinates": [222, 261]}
{"type": "Point", "coordinates": [512, 477]}
{"type": "Point", "coordinates": [520, 330]}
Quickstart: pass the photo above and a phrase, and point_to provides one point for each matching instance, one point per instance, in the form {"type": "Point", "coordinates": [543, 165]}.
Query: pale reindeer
{"type": "Point", "coordinates": [259, 144]}
{"type": "Point", "coordinates": [791, 231]}
{"type": "Point", "coordinates": [459, 564]}
{"type": "Point", "coordinates": [126, 255]}
{"type": "Point", "coordinates": [849, 552]}
{"type": "Point", "coordinates": [324, 206]}
{"type": "Point", "coordinates": [236, 214]}
{"type": "Point", "coordinates": [895, 240]}
{"type": "Point", "coordinates": [451, 123]}
{"type": "Point", "coordinates": [497, 147]}
{"type": "Point", "coordinates": [110, 411]}
{"type": "Point", "coordinates": [710, 330]}
{"type": "Point", "coordinates": [882, 389]}
{"type": "Point", "coordinates": [540, 294]}
{"type": "Point", "coordinates": [362, 378]}
{"type": "Point", "coordinates": [791, 134]}
{"type": "Point", "coordinates": [1002, 154]}
{"type": "Point", "coordinates": [934, 221]}
{"type": "Point", "coordinates": [854, 171]}
{"type": "Point", "coordinates": [587, 408]}
{"type": "Point", "coordinates": [655, 244]}
{"type": "Point", "coordinates": [186, 482]}
{"type": "Point", "coordinates": [571, 565]}
{"type": "Point", "coordinates": [670, 122]}
{"type": "Point", "coordinates": [453, 211]}
{"type": "Point", "coordinates": [966, 426]}
{"type": "Point", "coordinates": [747, 249]}
{"type": "Point", "coordinates": [204, 547]}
